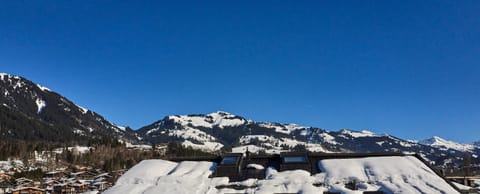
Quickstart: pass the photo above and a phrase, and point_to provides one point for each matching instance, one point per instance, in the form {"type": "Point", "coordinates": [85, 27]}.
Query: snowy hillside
{"type": "Point", "coordinates": [33, 112]}
{"type": "Point", "coordinates": [222, 130]}
{"type": "Point", "coordinates": [217, 119]}
{"type": "Point", "coordinates": [445, 144]}
{"type": "Point", "coordinates": [393, 174]}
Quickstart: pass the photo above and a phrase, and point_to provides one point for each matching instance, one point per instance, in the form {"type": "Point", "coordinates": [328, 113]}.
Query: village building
{"type": "Point", "coordinates": [28, 190]}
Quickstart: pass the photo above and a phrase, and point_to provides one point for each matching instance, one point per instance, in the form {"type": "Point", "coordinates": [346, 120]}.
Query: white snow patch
{"type": "Point", "coordinates": [255, 166]}
{"type": "Point", "coordinates": [218, 119]}
{"type": "Point", "coordinates": [328, 138]}
{"type": "Point", "coordinates": [83, 110]}
{"type": "Point", "coordinates": [356, 134]}
{"type": "Point", "coordinates": [206, 146]}
{"type": "Point", "coordinates": [460, 186]}
{"type": "Point", "coordinates": [140, 146]}
{"type": "Point", "coordinates": [43, 88]}
{"type": "Point", "coordinates": [40, 105]}
{"type": "Point", "coordinates": [2, 75]}
{"type": "Point", "coordinates": [281, 128]}
{"type": "Point", "coordinates": [121, 127]}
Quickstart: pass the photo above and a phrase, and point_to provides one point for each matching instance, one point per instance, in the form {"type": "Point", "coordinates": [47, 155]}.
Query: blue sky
{"type": "Point", "coordinates": [407, 68]}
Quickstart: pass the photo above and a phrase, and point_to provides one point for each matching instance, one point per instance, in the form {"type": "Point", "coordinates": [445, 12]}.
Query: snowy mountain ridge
{"type": "Point", "coordinates": [33, 112]}
{"type": "Point", "coordinates": [226, 131]}
{"type": "Point", "coordinates": [441, 143]}
{"type": "Point", "coordinates": [218, 119]}
{"type": "Point", "coordinates": [43, 115]}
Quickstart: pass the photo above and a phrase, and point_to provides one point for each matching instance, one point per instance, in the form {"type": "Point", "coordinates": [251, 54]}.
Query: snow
{"type": "Point", "coordinates": [160, 176]}
{"type": "Point", "coordinates": [43, 88]}
{"type": "Point", "coordinates": [461, 187]}
{"type": "Point", "coordinates": [328, 138]}
{"type": "Point", "coordinates": [218, 119]}
{"type": "Point", "coordinates": [129, 145]}
{"type": "Point", "coordinates": [255, 166]}
{"type": "Point", "coordinates": [206, 146]}
{"type": "Point", "coordinates": [442, 143]}
{"type": "Point", "coordinates": [477, 181]}
{"type": "Point", "coordinates": [2, 75]}
{"type": "Point", "coordinates": [207, 142]}
{"type": "Point", "coordinates": [281, 128]}
{"type": "Point", "coordinates": [271, 144]}
{"type": "Point", "coordinates": [121, 127]}
{"type": "Point", "coordinates": [40, 105]}
{"type": "Point", "coordinates": [356, 134]}
{"type": "Point", "coordinates": [391, 174]}
{"type": "Point", "coordinates": [81, 109]}
{"type": "Point", "coordinates": [395, 174]}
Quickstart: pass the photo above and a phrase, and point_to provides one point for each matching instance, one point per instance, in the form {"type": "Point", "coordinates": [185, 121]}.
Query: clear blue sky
{"type": "Point", "coordinates": [407, 68]}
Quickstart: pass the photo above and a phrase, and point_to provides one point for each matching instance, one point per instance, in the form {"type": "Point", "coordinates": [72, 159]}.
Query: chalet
{"type": "Point", "coordinates": [80, 186]}
{"type": "Point", "coordinates": [5, 186]}
{"type": "Point", "coordinates": [55, 175]}
{"type": "Point", "coordinates": [24, 182]}
{"type": "Point", "coordinates": [5, 176]}
{"type": "Point", "coordinates": [28, 190]}
{"type": "Point", "coordinates": [100, 186]}
{"type": "Point", "coordinates": [83, 175]}
{"type": "Point", "coordinates": [64, 189]}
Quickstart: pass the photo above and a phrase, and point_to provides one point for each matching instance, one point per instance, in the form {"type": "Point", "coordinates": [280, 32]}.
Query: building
{"type": "Point", "coordinates": [289, 172]}
{"type": "Point", "coordinates": [28, 190]}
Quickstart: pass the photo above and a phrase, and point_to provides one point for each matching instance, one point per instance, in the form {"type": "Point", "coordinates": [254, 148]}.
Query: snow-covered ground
{"type": "Point", "coordinates": [392, 174]}
{"type": "Point", "coordinates": [461, 187]}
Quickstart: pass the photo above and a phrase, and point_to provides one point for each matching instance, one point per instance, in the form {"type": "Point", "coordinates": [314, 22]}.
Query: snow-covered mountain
{"type": "Point", "coordinates": [448, 145]}
{"type": "Point", "coordinates": [31, 112]}
{"type": "Point", "coordinates": [222, 130]}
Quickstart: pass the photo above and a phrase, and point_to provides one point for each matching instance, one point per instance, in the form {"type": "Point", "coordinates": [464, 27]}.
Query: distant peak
{"type": "Point", "coordinates": [436, 141]}
{"type": "Point", "coordinates": [222, 112]}
{"type": "Point", "coordinates": [362, 133]}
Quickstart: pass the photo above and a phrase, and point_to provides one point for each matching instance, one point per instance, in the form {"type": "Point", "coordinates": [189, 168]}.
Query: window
{"type": "Point", "coordinates": [229, 160]}
{"type": "Point", "coordinates": [294, 159]}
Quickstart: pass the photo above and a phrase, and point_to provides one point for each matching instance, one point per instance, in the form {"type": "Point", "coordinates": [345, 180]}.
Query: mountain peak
{"type": "Point", "coordinates": [51, 115]}
{"type": "Point", "coordinates": [439, 142]}
{"type": "Point", "coordinates": [219, 119]}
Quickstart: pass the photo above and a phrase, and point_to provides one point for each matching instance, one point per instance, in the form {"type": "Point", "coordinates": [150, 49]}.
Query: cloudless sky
{"type": "Point", "coordinates": [407, 68]}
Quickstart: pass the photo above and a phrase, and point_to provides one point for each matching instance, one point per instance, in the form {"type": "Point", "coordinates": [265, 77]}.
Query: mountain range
{"type": "Point", "coordinates": [31, 112]}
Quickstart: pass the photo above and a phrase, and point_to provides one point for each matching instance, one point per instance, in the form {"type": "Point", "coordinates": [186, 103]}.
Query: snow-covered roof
{"type": "Point", "coordinates": [390, 174]}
